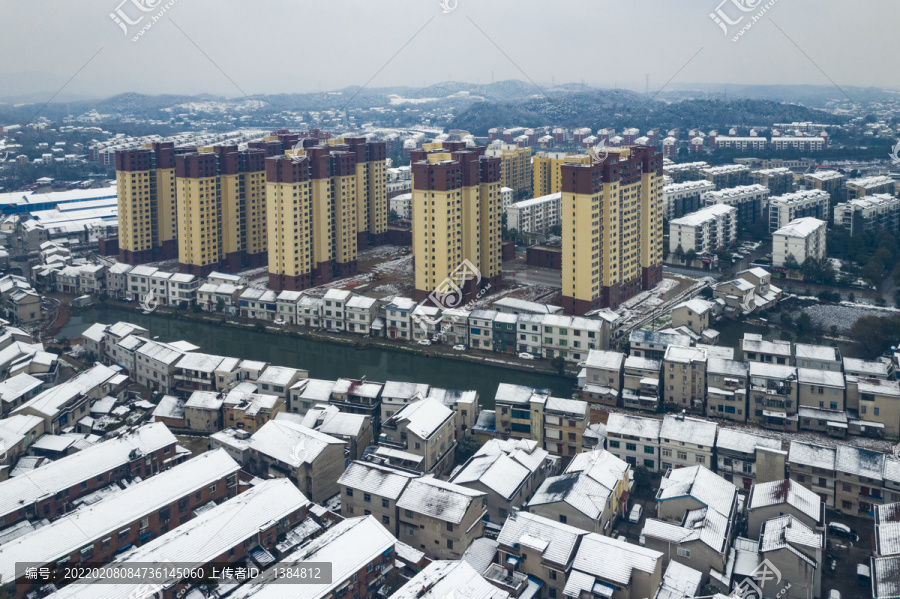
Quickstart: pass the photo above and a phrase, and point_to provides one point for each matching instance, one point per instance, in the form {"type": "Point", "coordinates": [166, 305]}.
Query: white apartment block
{"type": "Point", "coordinates": [402, 205]}
{"type": "Point", "coordinates": [878, 212]}
{"type": "Point", "coordinates": [750, 200]}
{"type": "Point", "coordinates": [807, 144]}
{"type": "Point", "coordinates": [791, 206]}
{"type": "Point", "coordinates": [683, 198]}
{"type": "Point", "coordinates": [803, 238]}
{"type": "Point", "coordinates": [705, 231]}
{"type": "Point", "coordinates": [857, 188]}
{"type": "Point", "coordinates": [537, 215]}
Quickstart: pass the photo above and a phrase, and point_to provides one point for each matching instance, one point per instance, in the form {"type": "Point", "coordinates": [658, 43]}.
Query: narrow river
{"type": "Point", "coordinates": [325, 360]}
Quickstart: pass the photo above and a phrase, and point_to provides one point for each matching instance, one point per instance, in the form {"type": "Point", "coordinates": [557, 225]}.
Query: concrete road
{"type": "Point", "coordinates": [531, 275]}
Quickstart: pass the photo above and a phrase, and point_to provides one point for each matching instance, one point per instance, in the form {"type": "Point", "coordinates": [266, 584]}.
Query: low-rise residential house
{"type": "Point", "coordinates": [358, 397]}
{"type": "Point", "coordinates": [739, 296]}
{"type": "Point", "coordinates": [197, 372]}
{"type": "Point", "coordinates": [249, 411]}
{"type": "Point", "coordinates": [868, 369]}
{"type": "Point", "coordinates": [755, 349]}
{"type": "Point", "coordinates": [541, 548]}
{"type": "Point", "coordinates": [780, 497]}
{"type": "Point", "coordinates": [17, 390]}
{"type": "Point", "coordinates": [887, 529]}
{"type": "Point", "coordinates": [155, 366]}
{"type": "Point", "coordinates": [426, 429]}
{"type": "Point", "coordinates": [817, 357]}
{"type": "Point", "coordinates": [360, 313]}
{"type": "Point", "coordinates": [640, 387]}
{"type": "Point", "coordinates": [819, 388]}
{"type": "Point", "coordinates": [360, 551]}
{"type": "Point", "coordinates": [635, 572]}
{"type": "Point", "coordinates": [353, 429]}
{"type": "Point", "coordinates": [65, 404]}
{"type": "Point", "coordinates": [653, 344]}
{"type": "Point", "coordinates": [139, 283]}
{"type": "Point", "coordinates": [464, 405]}
{"type": "Point", "coordinates": [696, 314]}
{"type": "Point", "coordinates": [773, 396]}
{"type": "Point", "coordinates": [603, 377]}
{"type": "Point", "coordinates": [696, 515]}
{"type": "Point", "coordinates": [634, 439]}
{"type": "Point", "coordinates": [23, 306]}
{"type": "Point", "coordinates": [508, 472]}
{"type": "Point", "coordinates": [203, 411]}
{"type": "Point", "coordinates": [481, 328]}
{"type": "Point", "coordinates": [859, 475]}
{"type": "Point", "coordinates": [47, 492]}
{"type": "Point", "coordinates": [286, 302]}
{"type": "Point", "coordinates": [277, 380]}
{"type": "Point", "coordinates": [309, 311]}
{"type": "Point", "coordinates": [572, 337]}
{"type": "Point", "coordinates": [134, 514]}
{"type": "Point", "coordinates": [796, 551]}
{"type": "Point", "coordinates": [823, 420]}
{"type": "Point", "coordinates": [117, 280]}
{"type": "Point", "coordinates": [684, 378]}
{"type": "Point", "coordinates": [504, 336]}
{"type": "Point", "coordinates": [446, 578]}
{"type": "Point", "coordinates": [397, 394]}
{"type": "Point", "coordinates": [686, 441]}
{"type": "Point", "coordinates": [182, 289]}
{"type": "Point", "coordinates": [591, 494]}
{"type": "Point", "coordinates": [426, 322]}
{"type": "Point", "coordinates": [222, 298]}
{"type": "Point", "coordinates": [308, 393]}
{"type": "Point", "coordinates": [261, 304]}
{"type": "Point", "coordinates": [877, 403]}
{"type": "Point", "coordinates": [398, 318]}
{"type": "Point", "coordinates": [314, 461]}
{"type": "Point", "coordinates": [373, 489]}
{"type": "Point", "coordinates": [565, 421]}
{"type": "Point", "coordinates": [440, 518]}
{"type": "Point", "coordinates": [813, 467]}
{"type": "Point", "coordinates": [726, 389]}
{"type": "Point", "coordinates": [455, 326]}
{"type": "Point", "coordinates": [170, 411]}
{"type": "Point", "coordinates": [744, 458]}
{"type": "Point", "coordinates": [520, 411]}
{"type": "Point", "coordinates": [333, 308]}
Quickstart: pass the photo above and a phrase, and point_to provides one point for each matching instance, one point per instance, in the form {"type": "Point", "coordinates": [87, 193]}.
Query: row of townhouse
{"type": "Point", "coordinates": [775, 384]}
{"type": "Point", "coordinates": [679, 441]}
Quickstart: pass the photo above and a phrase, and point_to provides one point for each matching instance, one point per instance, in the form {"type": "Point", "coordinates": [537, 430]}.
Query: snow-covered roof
{"type": "Point", "coordinates": [787, 491]}
{"type": "Point", "coordinates": [641, 363]}
{"type": "Point", "coordinates": [592, 559]}
{"type": "Point", "coordinates": [688, 430]}
{"type": "Point", "coordinates": [877, 368]}
{"type": "Point", "coordinates": [517, 394]}
{"type": "Point", "coordinates": [313, 389]}
{"type": "Point", "coordinates": [278, 376]}
{"type": "Point", "coordinates": [801, 227]}
{"type": "Point", "coordinates": [702, 484]}
{"type": "Point", "coordinates": [16, 386]}
{"type": "Point", "coordinates": [50, 401]}
{"type": "Point", "coordinates": [200, 362]}
{"type": "Point", "coordinates": [825, 378]}
{"type": "Point", "coordinates": [498, 472]}
{"type": "Point", "coordinates": [635, 426]}
{"type": "Point", "coordinates": [733, 439]}
{"type": "Point", "coordinates": [369, 477]}
{"type": "Point", "coordinates": [90, 523]}
{"type": "Point", "coordinates": [786, 532]}
{"type": "Point", "coordinates": [568, 407]}
{"type": "Point", "coordinates": [809, 454]}
{"type": "Point", "coordinates": [205, 400]}
{"type": "Point", "coordinates": [879, 387]}
{"type": "Point", "coordinates": [449, 579]}
{"type": "Point", "coordinates": [357, 388]}
{"type": "Point", "coordinates": [607, 360]}
{"type": "Point", "coordinates": [291, 443]}
{"type": "Point", "coordinates": [422, 418]}
{"type": "Point", "coordinates": [480, 553]}
{"type": "Point", "coordinates": [859, 461]}
{"type": "Point", "coordinates": [438, 499]}
{"type": "Point", "coordinates": [561, 538]}
{"type": "Point", "coordinates": [727, 367]}
{"type": "Point", "coordinates": [679, 582]}
{"type": "Point", "coordinates": [825, 353]}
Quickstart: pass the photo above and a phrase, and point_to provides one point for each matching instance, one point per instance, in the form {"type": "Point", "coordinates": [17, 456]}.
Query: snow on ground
{"type": "Point", "coordinates": [379, 251]}
{"type": "Point", "coordinates": [842, 315]}
{"type": "Point", "coordinates": [402, 266]}
{"type": "Point", "coordinates": [385, 289]}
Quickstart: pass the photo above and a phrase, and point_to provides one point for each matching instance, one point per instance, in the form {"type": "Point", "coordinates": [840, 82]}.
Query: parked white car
{"type": "Point", "coordinates": [459, 347]}
{"type": "Point", "coordinates": [526, 356]}
{"type": "Point", "coordinates": [635, 516]}
{"type": "Point", "coordinates": [424, 341]}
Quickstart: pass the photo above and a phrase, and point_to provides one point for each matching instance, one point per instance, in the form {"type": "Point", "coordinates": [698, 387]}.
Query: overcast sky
{"type": "Point", "coordinates": [276, 46]}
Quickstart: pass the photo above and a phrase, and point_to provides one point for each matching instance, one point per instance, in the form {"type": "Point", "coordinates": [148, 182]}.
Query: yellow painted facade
{"type": "Point", "coordinates": [199, 233]}
{"type": "Point", "coordinates": [547, 170]}
{"type": "Point", "coordinates": [582, 217]}
{"type": "Point", "coordinates": [135, 214]}
{"type": "Point", "coordinates": [289, 213]}
{"type": "Point", "coordinates": [515, 168]}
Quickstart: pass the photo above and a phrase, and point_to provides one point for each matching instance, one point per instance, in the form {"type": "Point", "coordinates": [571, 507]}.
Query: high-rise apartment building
{"type": "Point", "coordinates": [546, 171]}
{"type": "Point", "coordinates": [515, 167]}
{"type": "Point", "coordinates": [456, 217]}
{"type": "Point", "coordinates": [221, 209]}
{"type": "Point", "coordinates": [324, 202]}
{"type": "Point", "coordinates": [145, 181]}
{"type": "Point", "coordinates": [612, 228]}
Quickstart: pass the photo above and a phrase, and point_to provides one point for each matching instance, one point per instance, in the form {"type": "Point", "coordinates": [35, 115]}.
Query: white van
{"type": "Point", "coordinates": [635, 516]}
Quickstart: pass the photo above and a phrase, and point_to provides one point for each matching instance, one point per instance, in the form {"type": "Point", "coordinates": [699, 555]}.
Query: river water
{"type": "Point", "coordinates": [323, 359]}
